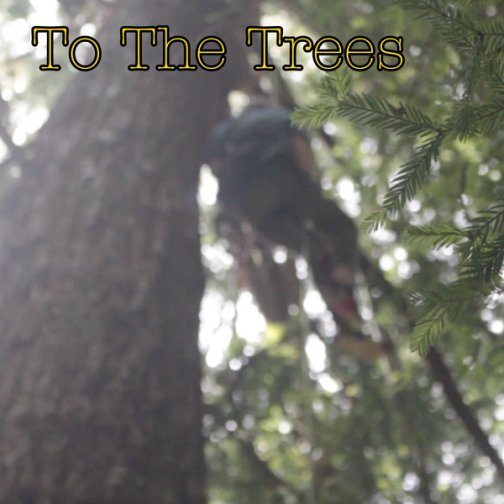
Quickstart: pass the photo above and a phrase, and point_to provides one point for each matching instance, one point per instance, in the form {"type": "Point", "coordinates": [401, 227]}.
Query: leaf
{"type": "Point", "coordinates": [442, 235]}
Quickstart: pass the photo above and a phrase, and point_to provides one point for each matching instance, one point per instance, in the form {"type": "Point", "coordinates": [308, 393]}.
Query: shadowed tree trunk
{"type": "Point", "coordinates": [101, 281]}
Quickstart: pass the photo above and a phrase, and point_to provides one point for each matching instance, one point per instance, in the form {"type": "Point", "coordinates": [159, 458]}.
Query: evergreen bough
{"type": "Point", "coordinates": [477, 110]}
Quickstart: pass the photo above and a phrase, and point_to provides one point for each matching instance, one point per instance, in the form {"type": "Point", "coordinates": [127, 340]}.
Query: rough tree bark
{"type": "Point", "coordinates": [101, 283]}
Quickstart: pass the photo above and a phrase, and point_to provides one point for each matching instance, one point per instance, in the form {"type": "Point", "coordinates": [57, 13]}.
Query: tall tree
{"type": "Point", "coordinates": [102, 280]}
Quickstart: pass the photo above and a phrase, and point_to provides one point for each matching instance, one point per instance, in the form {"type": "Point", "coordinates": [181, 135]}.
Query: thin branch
{"type": "Point", "coordinates": [442, 374]}
{"type": "Point", "coordinates": [267, 474]}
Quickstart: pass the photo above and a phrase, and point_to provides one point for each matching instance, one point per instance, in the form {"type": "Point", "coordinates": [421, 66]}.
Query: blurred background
{"type": "Point", "coordinates": [110, 362]}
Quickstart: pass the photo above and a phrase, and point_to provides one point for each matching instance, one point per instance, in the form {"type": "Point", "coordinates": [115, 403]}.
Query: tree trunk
{"type": "Point", "coordinates": [101, 282]}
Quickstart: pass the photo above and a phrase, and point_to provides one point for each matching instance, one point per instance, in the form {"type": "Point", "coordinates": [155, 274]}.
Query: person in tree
{"type": "Point", "coordinates": [266, 178]}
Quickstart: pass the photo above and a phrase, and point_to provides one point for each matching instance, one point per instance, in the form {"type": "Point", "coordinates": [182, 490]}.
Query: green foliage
{"type": "Point", "coordinates": [475, 110]}
{"type": "Point", "coordinates": [375, 435]}
{"type": "Point", "coordinates": [437, 308]}
{"type": "Point", "coordinates": [480, 247]}
{"type": "Point", "coordinates": [442, 235]}
{"type": "Point", "coordinates": [367, 110]}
